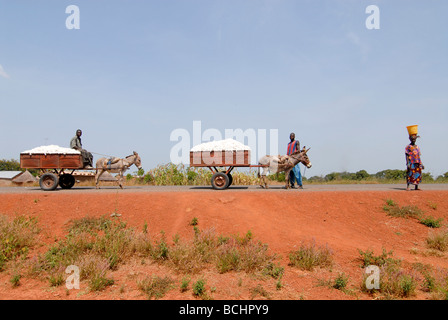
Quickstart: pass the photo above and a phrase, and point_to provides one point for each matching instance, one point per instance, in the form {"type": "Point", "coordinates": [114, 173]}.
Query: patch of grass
{"type": "Point", "coordinates": [15, 280]}
{"type": "Point", "coordinates": [274, 270]}
{"type": "Point", "coordinates": [394, 210]}
{"type": "Point", "coordinates": [194, 221]}
{"type": "Point", "coordinates": [432, 205]}
{"type": "Point", "coordinates": [55, 279]}
{"type": "Point", "coordinates": [226, 253]}
{"type": "Point", "coordinates": [390, 203]}
{"type": "Point", "coordinates": [369, 258]}
{"type": "Point", "coordinates": [185, 283]}
{"type": "Point", "coordinates": [397, 284]}
{"type": "Point", "coordinates": [431, 222]}
{"type": "Point", "coordinates": [259, 291]}
{"type": "Point", "coordinates": [438, 240]}
{"type": "Point", "coordinates": [341, 281]}
{"type": "Point", "coordinates": [95, 245]}
{"type": "Point", "coordinates": [309, 256]}
{"type": "Point", "coordinates": [17, 236]}
{"type": "Point", "coordinates": [156, 287]}
{"type": "Point", "coordinates": [199, 289]}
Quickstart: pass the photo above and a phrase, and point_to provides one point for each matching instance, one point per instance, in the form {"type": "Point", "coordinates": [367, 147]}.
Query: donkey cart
{"type": "Point", "coordinates": [54, 168]}
{"type": "Point", "coordinates": [221, 164]}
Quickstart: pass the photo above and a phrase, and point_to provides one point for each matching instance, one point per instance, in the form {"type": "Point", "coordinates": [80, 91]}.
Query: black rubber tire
{"type": "Point", "coordinates": [48, 181]}
{"type": "Point", "coordinates": [230, 179]}
{"type": "Point", "coordinates": [220, 181]}
{"type": "Point", "coordinates": [66, 181]}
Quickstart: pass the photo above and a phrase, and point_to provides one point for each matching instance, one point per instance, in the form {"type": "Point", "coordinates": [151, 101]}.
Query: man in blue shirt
{"type": "Point", "coordinates": [294, 174]}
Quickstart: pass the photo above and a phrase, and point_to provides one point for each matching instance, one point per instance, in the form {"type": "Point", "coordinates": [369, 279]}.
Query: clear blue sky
{"type": "Point", "coordinates": [137, 70]}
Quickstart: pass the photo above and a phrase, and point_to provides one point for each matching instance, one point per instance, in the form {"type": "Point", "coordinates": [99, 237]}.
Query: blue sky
{"type": "Point", "coordinates": [137, 70]}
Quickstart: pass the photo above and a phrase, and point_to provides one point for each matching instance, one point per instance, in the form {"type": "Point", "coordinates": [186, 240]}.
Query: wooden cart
{"type": "Point", "coordinates": [53, 168]}
{"type": "Point", "coordinates": [221, 163]}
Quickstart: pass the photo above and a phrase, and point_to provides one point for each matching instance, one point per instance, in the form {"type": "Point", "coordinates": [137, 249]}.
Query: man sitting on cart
{"type": "Point", "coordinates": [76, 144]}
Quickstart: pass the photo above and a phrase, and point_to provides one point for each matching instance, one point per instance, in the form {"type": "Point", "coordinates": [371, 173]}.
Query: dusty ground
{"type": "Point", "coordinates": [344, 220]}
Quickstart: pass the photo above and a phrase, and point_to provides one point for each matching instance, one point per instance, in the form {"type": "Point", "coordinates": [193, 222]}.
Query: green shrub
{"type": "Point", "coordinates": [155, 286]}
{"type": "Point", "coordinates": [438, 240]}
{"type": "Point", "coordinates": [431, 222]}
{"type": "Point", "coordinates": [17, 236]}
{"type": "Point", "coordinates": [309, 256]}
{"type": "Point", "coordinates": [368, 258]}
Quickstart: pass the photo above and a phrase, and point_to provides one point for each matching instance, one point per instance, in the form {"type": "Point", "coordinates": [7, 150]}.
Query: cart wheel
{"type": "Point", "coordinates": [48, 181]}
{"type": "Point", "coordinates": [220, 181]}
{"type": "Point", "coordinates": [230, 179]}
{"type": "Point", "coordinates": [66, 181]}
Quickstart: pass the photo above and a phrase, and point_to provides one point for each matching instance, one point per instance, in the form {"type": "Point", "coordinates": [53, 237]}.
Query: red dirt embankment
{"type": "Point", "coordinates": [344, 220]}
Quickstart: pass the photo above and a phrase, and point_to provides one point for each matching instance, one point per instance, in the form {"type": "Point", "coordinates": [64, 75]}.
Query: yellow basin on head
{"type": "Point", "coordinates": [412, 129]}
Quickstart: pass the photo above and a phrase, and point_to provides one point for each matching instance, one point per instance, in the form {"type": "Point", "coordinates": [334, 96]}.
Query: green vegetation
{"type": "Point", "coordinates": [99, 246]}
{"type": "Point", "coordinates": [14, 165]}
{"type": "Point", "coordinates": [17, 236]}
{"type": "Point", "coordinates": [431, 222]}
{"type": "Point", "coordinates": [394, 210]}
{"type": "Point", "coordinates": [170, 174]}
{"type": "Point", "coordinates": [155, 286]}
{"type": "Point", "coordinates": [310, 256]}
{"type": "Point", "coordinates": [438, 240]}
{"type": "Point", "coordinates": [369, 258]}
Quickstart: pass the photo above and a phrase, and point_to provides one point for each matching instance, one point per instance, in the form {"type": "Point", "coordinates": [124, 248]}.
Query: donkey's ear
{"type": "Point", "coordinates": [307, 150]}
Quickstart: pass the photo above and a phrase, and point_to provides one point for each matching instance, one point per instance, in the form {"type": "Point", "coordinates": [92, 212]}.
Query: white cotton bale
{"type": "Point", "coordinates": [51, 149]}
{"type": "Point", "coordinates": [220, 145]}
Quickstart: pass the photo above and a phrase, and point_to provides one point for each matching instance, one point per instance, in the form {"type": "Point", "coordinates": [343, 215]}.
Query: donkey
{"type": "Point", "coordinates": [274, 164]}
{"type": "Point", "coordinates": [116, 165]}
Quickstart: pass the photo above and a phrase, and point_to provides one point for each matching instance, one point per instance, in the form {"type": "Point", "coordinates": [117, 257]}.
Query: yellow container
{"type": "Point", "coordinates": [412, 129]}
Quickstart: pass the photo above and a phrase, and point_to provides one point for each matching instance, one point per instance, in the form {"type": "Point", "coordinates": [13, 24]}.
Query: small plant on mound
{"type": "Point", "coordinates": [199, 290]}
{"type": "Point", "coordinates": [17, 236]}
{"type": "Point", "coordinates": [95, 245]}
{"type": "Point", "coordinates": [397, 283]}
{"type": "Point", "coordinates": [155, 287]}
{"type": "Point", "coordinates": [369, 258]}
{"type": "Point", "coordinates": [431, 222]}
{"type": "Point", "coordinates": [395, 210]}
{"type": "Point", "coordinates": [340, 282]}
{"type": "Point", "coordinates": [259, 291]}
{"type": "Point", "coordinates": [438, 240]}
{"type": "Point", "coordinates": [309, 256]}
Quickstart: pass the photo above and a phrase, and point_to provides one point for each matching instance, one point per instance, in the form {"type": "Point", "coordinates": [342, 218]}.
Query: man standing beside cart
{"type": "Point", "coordinates": [76, 144]}
{"type": "Point", "coordinates": [294, 174]}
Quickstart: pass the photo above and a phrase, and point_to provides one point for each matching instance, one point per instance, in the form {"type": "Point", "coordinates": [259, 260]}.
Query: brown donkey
{"type": "Point", "coordinates": [116, 165]}
{"type": "Point", "coordinates": [274, 164]}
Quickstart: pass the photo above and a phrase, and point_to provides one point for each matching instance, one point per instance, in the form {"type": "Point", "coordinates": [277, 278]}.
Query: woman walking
{"type": "Point", "coordinates": [414, 163]}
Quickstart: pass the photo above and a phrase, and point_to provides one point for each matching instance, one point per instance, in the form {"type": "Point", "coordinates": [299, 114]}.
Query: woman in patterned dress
{"type": "Point", "coordinates": [413, 163]}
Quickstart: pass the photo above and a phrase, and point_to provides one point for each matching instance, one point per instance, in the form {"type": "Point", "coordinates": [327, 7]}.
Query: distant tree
{"type": "Point", "coordinates": [10, 165]}
{"type": "Point", "coordinates": [362, 174]}
{"type": "Point", "coordinates": [316, 179]}
{"type": "Point", "coordinates": [427, 177]}
{"type": "Point", "coordinates": [332, 176]}
{"type": "Point", "coordinates": [391, 174]}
